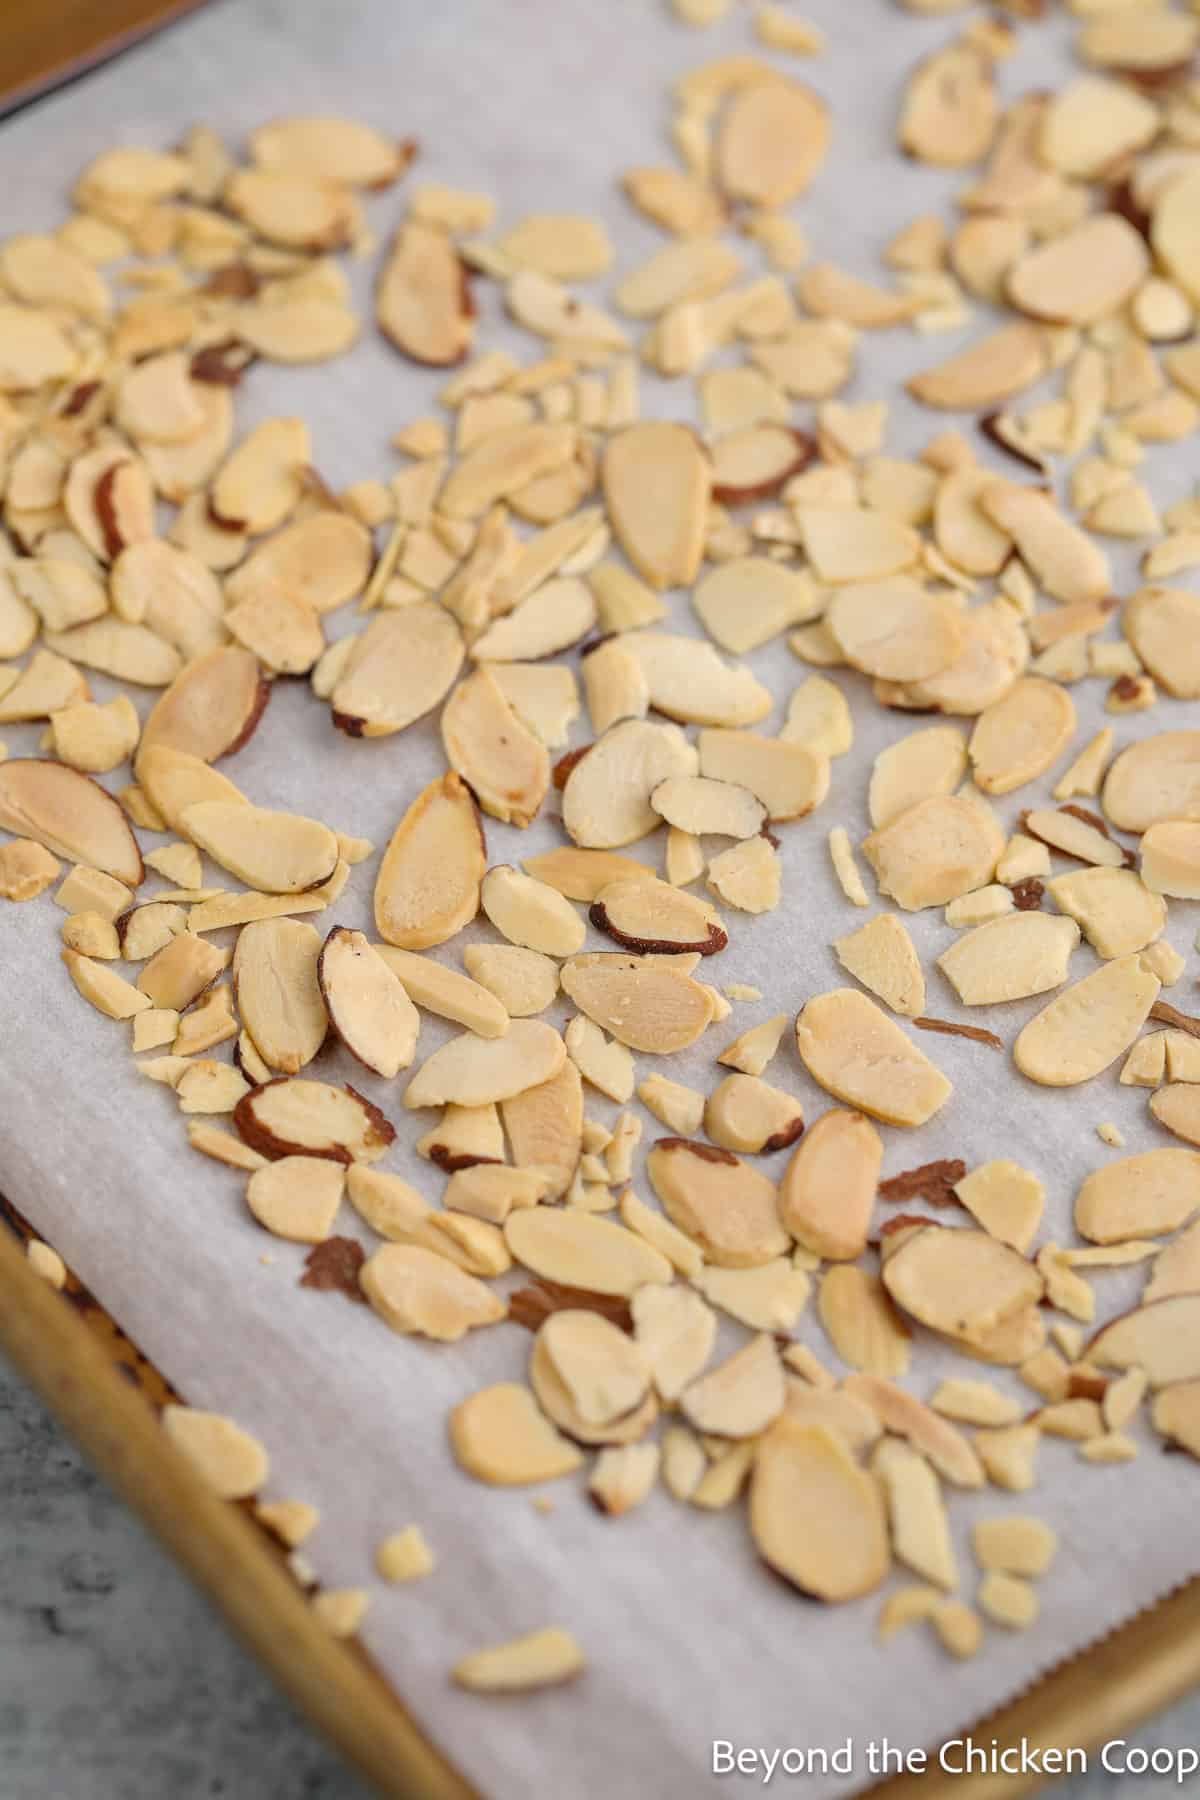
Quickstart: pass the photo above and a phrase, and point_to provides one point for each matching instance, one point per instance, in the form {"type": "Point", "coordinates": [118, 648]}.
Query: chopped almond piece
{"type": "Point", "coordinates": [541, 1659]}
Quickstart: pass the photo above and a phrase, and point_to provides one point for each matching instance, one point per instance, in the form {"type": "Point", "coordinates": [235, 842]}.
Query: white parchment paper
{"type": "Point", "coordinates": [543, 103]}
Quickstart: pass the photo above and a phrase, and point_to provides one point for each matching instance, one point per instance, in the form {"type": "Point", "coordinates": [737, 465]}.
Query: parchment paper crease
{"type": "Point", "coordinates": [543, 103]}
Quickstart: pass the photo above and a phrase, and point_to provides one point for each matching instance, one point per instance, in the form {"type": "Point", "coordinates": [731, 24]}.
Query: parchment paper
{"type": "Point", "coordinates": [543, 103]}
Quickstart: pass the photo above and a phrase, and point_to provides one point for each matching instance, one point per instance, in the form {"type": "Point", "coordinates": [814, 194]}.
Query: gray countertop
{"type": "Point", "coordinates": [118, 1682]}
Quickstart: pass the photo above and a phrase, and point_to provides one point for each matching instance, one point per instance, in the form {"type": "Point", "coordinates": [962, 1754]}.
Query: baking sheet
{"type": "Point", "coordinates": [542, 103]}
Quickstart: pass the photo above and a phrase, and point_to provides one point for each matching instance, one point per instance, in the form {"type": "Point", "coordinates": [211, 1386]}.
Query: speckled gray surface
{"type": "Point", "coordinates": [118, 1682]}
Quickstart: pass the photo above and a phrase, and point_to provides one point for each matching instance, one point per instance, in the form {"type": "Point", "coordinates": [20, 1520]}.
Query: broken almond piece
{"type": "Point", "coordinates": [1011, 957]}
{"type": "Point", "coordinates": [228, 1460]}
{"type": "Point", "coordinates": [416, 1291]}
{"type": "Point", "coordinates": [744, 1113]}
{"type": "Point", "coordinates": [768, 1298]}
{"type": "Point", "coordinates": [181, 971]}
{"type": "Point", "coordinates": [1088, 1026]}
{"type": "Point", "coordinates": [541, 1659]}
{"type": "Point", "coordinates": [753, 1050]}
{"type": "Point", "coordinates": [1007, 1200]}
{"type": "Point", "coordinates": [1017, 738]}
{"type": "Point", "coordinates": [861, 1322]}
{"type": "Point", "coordinates": [106, 990]}
{"type": "Point", "coordinates": [293, 1116]}
{"type": "Point", "coordinates": [741, 1396]}
{"type": "Point", "coordinates": [959, 1282]}
{"type": "Point", "coordinates": [857, 1054]}
{"type": "Point", "coordinates": [817, 1518]}
{"type": "Point", "coordinates": [942, 847]}
{"type": "Point", "coordinates": [473, 1071]}
{"type": "Point", "coordinates": [1061, 557]}
{"type": "Point", "coordinates": [500, 1436]}
{"type": "Point", "coordinates": [881, 955]}
{"type": "Point", "coordinates": [429, 879]}
{"type": "Point", "coordinates": [296, 1198]}
{"type": "Point", "coordinates": [728, 1208]}
{"type": "Point", "coordinates": [27, 870]}
{"type": "Point", "coordinates": [747, 876]}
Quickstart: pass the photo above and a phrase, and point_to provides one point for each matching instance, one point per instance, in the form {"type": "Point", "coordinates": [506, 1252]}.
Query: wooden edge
{"type": "Point", "coordinates": [1109, 1688]}
{"type": "Point", "coordinates": [215, 1542]}
{"type": "Point", "coordinates": [46, 46]}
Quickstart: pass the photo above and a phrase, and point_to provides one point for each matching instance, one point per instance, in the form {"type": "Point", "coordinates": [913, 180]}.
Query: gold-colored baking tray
{"type": "Point", "coordinates": [107, 1395]}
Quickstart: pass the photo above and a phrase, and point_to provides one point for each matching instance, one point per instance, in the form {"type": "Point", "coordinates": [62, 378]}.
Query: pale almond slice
{"type": "Point", "coordinates": [222, 1146]}
{"type": "Point", "coordinates": [212, 707]}
{"type": "Point", "coordinates": [521, 982]}
{"type": "Point", "coordinates": [744, 1113]}
{"type": "Point", "coordinates": [107, 991]}
{"type": "Point", "coordinates": [296, 1117]}
{"type": "Point", "coordinates": [772, 141]}
{"type": "Point", "coordinates": [814, 360]}
{"type": "Point", "coordinates": [960, 1282]}
{"type": "Point", "coordinates": [504, 764]}
{"type": "Point", "coordinates": [1159, 1338]}
{"type": "Point", "coordinates": [423, 298]}
{"type": "Point", "coordinates": [19, 623]}
{"type": "Point", "coordinates": [1017, 738]}
{"type": "Point", "coordinates": [975, 1403]}
{"type": "Point", "coordinates": [861, 1322]}
{"type": "Point", "coordinates": [827, 1193]}
{"type": "Point", "coordinates": [1171, 859]}
{"type": "Point", "coordinates": [544, 1124]}
{"type": "Point", "coordinates": [749, 876]}
{"type": "Point", "coordinates": [818, 718]}
{"type": "Point", "coordinates": [261, 483]}
{"type": "Point", "coordinates": [1139, 1196]}
{"type": "Point", "coordinates": [748, 601]}
{"type": "Point", "coordinates": [329, 149]}
{"type": "Point", "coordinates": [23, 877]}
{"type": "Point", "coordinates": [540, 1659]}
{"type": "Point", "coordinates": [986, 373]}
{"type": "Point", "coordinates": [557, 615]}
{"type": "Point", "coordinates": [402, 666]}
{"type": "Point", "coordinates": [691, 269]}
{"type": "Point", "coordinates": [675, 1331]}
{"type": "Point", "coordinates": [1145, 1066]}
{"type": "Point", "coordinates": [950, 108]}
{"type": "Point", "coordinates": [853, 544]}
{"type": "Point", "coordinates": [397, 1212]}
{"type": "Point", "coordinates": [145, 929]}
{"type": "Point", "coordinates": [500, 1436]}
{"type": "Point", "coordinates": [1176, 1415]}
{"type": "Point", "coordinates": [583, 874]}
{"type": "Point", "coordinates": [1088, 1026]}
{"type": "Point", "coordinates": [926, 763]}
{"type": "Point", "coordinates": [680, 203]}
{"type": "Point", "coordinates": [1161, 624]}
{"type": "Point", "coordinates": [367, 1003]}
{"type": "Point", "coordinates": [296, 1198]}
{"type": "Point", "coordinates": [1007, 1200]}
{"type": "Point", "coordinates": [488, 1191]}
{"type": "Point", "coordinates": [1160, 44]}
{"type": "Point", "coordinates": [545, 306]}
{"type": "Point", "coordinates": [753, 1049]}
{"type": "Point", "coordinates": [830, 292]}
{"type": "Point", "coordinates": [728, 1208]}
{"type": "Point", "coordinates": [430, 875]}
{"type": "Point", "coordinates": [27, 870]}
{"type": "Point", "coordinates": [1062, 558]}
{"type": "Point", "coordinates": [293, 210]}
{"type": "Point", "coordinates": [1177, 1106]}
{"type": "Point", "coordinates": [1116, 911]}
{"type": "Point", "coordinates": [180, 471]}
{"type": "Point", "coordinates": [416, 1291]}
{"type": "Point", "coordinates": [741, 1396]}
{"type": "Point", "coordinates": [1156, 778]}
{"type": "Point", "coordinates": [649, 916]}
{"type": "Point", "coordinates": [623, 1477]}
{"type": "Point", "coordinates": [965, 535]}
{"type": "Point", "coordinates": [90, 890]}
{"type": "Point", "coordinates": [276, 852]}
{"type": "Point", "coordinates": [36, 349]}
{"type": "Point", "coordinates": [157, 400]}
{"type": "Point", "coordinates": [213, 910]}
{"type": "Point", "coordinates": [1083, 275]}
{"type": "Point", "coordinates": [464, 1137]}
{"type": "Point", "coordinates": [679, 1108]}
{"type": "Point", "coordinates": [208, 1086]}
{"type": "Point", "coordinates": [656, 486]}
{"type": "Point", "coordinates": [228, 1460]}
{"type": "Point", "coordinates": [996, 650]}
{"type": "Point", "coordinates": [62, 593]}
{"type": "Point", "coordinates": [444, 991]}
{"type": "Point", "coordinates": [473, 1071]}
{"type": "Point", "coordinates": [603, 1371]}
{"type": "Point", "coordinates": [652, 1007]}
{"type": "Point", "coordinates": [606, 799]}
{"type": "Point", "coordinates": [580, 1250]}
{"type": "Point", "coordinates": [940, 848]}
{"type": "Point", "coordinates": [1075, 836]}
{"type": "Point", "coordinates": [127, 652]}
{"type": "Point", "coordinates": [788, 779]}
{"type": "Point", "coordinates": [920, 1529]}
{"type": "Point", "coordinates": [881, 955]}
{"type": "Point", "coordinates": [897, 630]}
{"type": "Point", "coordinates": [529, 913]}
{"type": "Point", "coordinates": [615, 685]}
{"type": "Point", "coordinates": [606, 1064]}
{"type": "Point", "coordinates": [545, 698]}
{"type": "Point", "coordinates": [688, 681]}
{"type": "Point", "coordinates": [907, 1606]}
{"type": "Point", "coordinates": [70, 814]}
{"type": "Point", "coordinates": [699, 805]}
{"type": "Point", "coordinates": [816, 1517]}
{"type": "Point", "coordinates": [179, 972]}
{"type": "Point", "coordinates": [503, 464]}
{"type": "Point", "coordinates": [324, 559]}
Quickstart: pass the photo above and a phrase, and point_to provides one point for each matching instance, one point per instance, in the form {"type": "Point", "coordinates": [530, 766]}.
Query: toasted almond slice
{"type": "Point", "coordinates": [753, 1050]}
{"type": "Point", "coordinates": [86, 932]}
{"type": "Point", "coordinates": [1156, 778]}
{"type": "Point", "coordinates": [815, 1516]}
{"type": "Point", "coordinates": [940, 848]}
{"type": "Point", "coordinates": [1170, 853]}
{"type": "Point", "coordinates": [788, 779]}
{"type": "Point", "coordinates": [1086, 1028]}
{"type": "Point", "coordinates": [414, 1290]}
{"type": "Point", "coordinates": [428, 883]}
{"type": "Point", "coordinates": [881, 955]}
{"type": "Point", "coordinates": [105, 990]}
{"type": "Point", "coordinates": [500, 1436]}
{"type": "Point", "coordinates": [772, 141]}
{"type": "Point", "coordinates": [680, 1108]}
{"type": "Point", "coordinates": [222, 1146]}
{"type": "Point", "coordinates": [297, 1197]}
{"type": "Point", "coordinates": [127, 652]}
{"type": "Point", "coordinates": [181, 971]}
{"type": "Point", "coordinates": [290, 1116]}
{"type": "Point", "coordinates": [606, 800]}
{"type": "Point", "coordinates": [741, 1396]}
{"type": "Point", "coordinates": [445, 992]}
{"type": "Point", "coordinates": [583, 874]}
{"type": "Point", "coordinates": [688, 681]}
{"type": "Point", "coordinates": [746, 602]}
{"type": "Point", "coordinates": [1061, 557]}
{"type": "Point", "coordinates": [1177, 1106]}
{"type": "Point", "coordinates": [521, 982]}
{"type": "Point", "coordinates": [728, 1208]}
{"type": "Point", "coordinates": [293, 210]}
{"type": "Point", "coordinates": [226, 1458]}
{"type": "Point", "coordinates": [323, 559]}
{"type": "Point", "coordinates": [261, 483]}
{"type": "Point", "coordinates": [692, 269]}
{"type": "Point", "coordinates": [1159, 1338]}
{"type": "Point", "coordinates": [1139, 1196]}
{"type": "Point", "coordinates": [540, 1659]}
{"type": "Point", "coordinates": [852, 544]}
{"type": "Point", "coordinates": [959, 1281]}
{"type": "Point", "coordinates": [473, 1071]}
{"type": "Point", "coordinates": [545, 698]}
{"type": "Point", "coordinates": [975, 1403]}
{"type": "Point", "coordinates": [1018, 737]}
{"type": "Point", "coordinates": [367, 1003]}
{"type": "Point", "coordinates": [1117, 912]}
{"type": "Point", "coordinates": [698, 804]}
{"type": "Point", "coordinates": [860, 1056]}
{"type": "Point", "coordinates": [1007, 1200]}
{"type": "Point", "coordinates": [209, 1024]}
{"type": "Point", "coordinates": [861, 1322]}
{"type": "Point", "coordinates": [397, 1212]}
{"type": "Point", "coordinates": [819, 718]}
{"type": "Point", "coordinates": [556, 616]}
{"type": "Point", "coordinates": [924, 764]}
{"type": "Point", "coordinates": [768, 1298]}
{"type": "Point", "coordinates": [505, 765]}
{"type": "Point", "coordinates": [649, 916]}
{"type": "Point", "coordinates": [212, 707]}
{"type": "Point", "coordinates": [662, 541]}
{"type": "Point", "coordinates": [488, 1191]}
{"type": "Point", "coordinates": [580, 1250]}
{"type": "Point", "coordinates": [403, 665]}
{"type": "Point", "coordinates": [745, 1113]}
{"type": "Point", "coordinates": [423, 298]}
{"type": "Point", "coordinates": [531, 914]}
{"type": "Point", "coordinates": [544, 1124]}
{"type": "Point", "coordinates": [1104, 249]}
{"type": "Point", "coordinates": [650, 1007]}
{"type": "Point", "coordinates": [273, 851]}
{"type": "Point", "coordinates": [70, 814]}
{"type": "Point", "coordinates": [603, 1372]}
{"type": "Point", "coordinates": [827, 1193]}
{"type": "Point", "coordinates": [748, 876]}
{"type": "Point", "coordinates": [987, 373]}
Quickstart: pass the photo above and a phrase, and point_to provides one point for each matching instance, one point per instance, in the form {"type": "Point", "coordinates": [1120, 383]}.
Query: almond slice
{"type": "Point", "coordinates": [580, 1250]}
{"type": "Point", "coordinates": [544, 1125]}
{"type": "Point", "coordinates": [789, 779]}
{"type": "Point", "coordinates": [227, 1459]}
{"type": "Point", "coordinates": [1017, 738]}
{"type": "Point", "coordinates": [103, 988]}
{"type": "Point", "coordinates": [1159, 1338]}
{"type": "Point", "coordinates": [665, 464]}
{"type": "Point", "coordinates": [172, 780]}
{"type": "Point", "coordinates": [860, 1056]}
{"type": "Point", "coordinates": [545, 306]}
{"type": "Point", "coordinates": [819, 718]}
{"type": "Point", "coordinates": [940, 848]}
{"type": "Point", "coordinates": [324, 559]}
{"type": "Point", "coordinates": [1171, 859]}
{"type": "Point", "coordinates": [753, 463]}
{"type": "Point", "coordinates": [651, 1007]}
{"type": "Point", "coordinates": [688, 681]}
{"type": "Point", "coordinates": [730, 1209]}
{"type": "Point", "coordinates": [697, 804]}
{"type": "Point", "coordinates": [960, 1282]}
{"type": "Point", "coordinates": [1061, 557]}
{"type": "Point", "coordinates": [274, 851]}
{"type": "Point", "coordinates": [675, 1331]}
{"type": "Point", "coordinates": [943, 1446]}
{"type": "Point", "coordinates": [296, 1198]}
{"type": "Point", "coordinates": [817, 1518]}
{"type": "Point", "coordinates": [603, 1372]}
{"type": "Point", "coordinates": [261, 483]}
{"type": "Point", "coordinates": [827, 1193]}
{"type": "Point", "coordinates": [1138, 1196]}
{"type": "Point", "coordinates": [490, 1192]}
{"type": "Point", "coordinates": [881, 955]}
{"type": "Point", "coordinates": [545, 699]}
{"type": "Point", "coordinates": [416, 1291]}
{"type": "Point", "coordinates": [996, 650]}
{"type": "Point", "coordinates": [920, 1529]}
{"type": "Point", "coordinates": [849, 544]}
{"type": "Point", "coordinates": [741, 1396]}
{"type": "Point", "coordinates": [1176, 1415]}
{"type": "Point", "coordinates": [1177, 1106]}
{"type": "Point", "coordinates": [423, 298]}
{"type": "Point", "coordinates": [181, 971]}
{"type": "Point", "coordinates": [1074, 833]}
{"type": "Point", "coordinates": [551, 619]}
{"type": "Point", "coordinates": [444, 991]}
{"type": "Point", "coordinates": [745, 1113]}
{"type": "Point", "coordinates": [529, 913]}
{"type": "Point", "coordinates": [70, 814]}
{"type": "Point", "coordinates": [1156, 778]}
{"type": "Point", "coordinates": [500, 1436]}
{"type": "Point", "coordinates": [540, 1659]}
{"type": "Point", "coordinates": [583, 874]}
{"type": "Point", "coordinates": [773, 139]}
{"type": "Point", "coordinates": [649, 916]}
{"type": "Point", "coordinates": [397, 1212]}
{"type": "Point", "coordinates": [522, 982]}
{"type": "Point", "coordinates": [401, 667]}
{"type": "Point", "coordinates": [1083, 275]}
{"type": "Point", "coordinates": [861, 1322]}
{"type": "Point", "coordinates": [748, 601]}
{"type": "Point", "coordinates": [1088, 1026]}
{"type": "Point", "coordinates": [367, 1003]}
{"type": "Point", "coordinates": [987, 373]}
{"type": "Point", "coordinates": [430, 875]}
{"type": "Point", "coordinates": [473, 1071]}
{"type": "Point", "coordinates": [606, 800]}
{"type": "Point", "coordinates": [292, 1116]}
{"type": "Point", "coordinates": [1007, 1200]}
{"type": "Point", "coordinates": [27, 870]}
{"type": "Point", "coordinates": [950, 108]}
{"type": "Point", "coordinates": [1173, 232]}
{"type": "Point", "coordinates": [753, 1050]}
{"type": "Point", "coordinates": [503, 464]}
{"type": "Point", "coordinates": [213, 706]}
{"type": "Point", "coordinates": [1117, 913]}
{"type": "Point", "coordinates": [127, 652]}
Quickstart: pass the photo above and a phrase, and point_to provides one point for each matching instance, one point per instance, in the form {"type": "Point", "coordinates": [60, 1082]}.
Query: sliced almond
{"type": "Point", "coordinates": [1060, 556]}
{"type": "Point", "coordinates": [296, 1198]}
{"type": "Point", "coordinates": [402, 666]}
{"type": "Point", "coordinates": [663, 541]}
{"type": "Point", "coordinates": [578, 1250]}
{"type": "Point", "coordinates": [754, 462]}
{"type": "Point", "coordinates": [1046, 283]}
{"type": "Point", "coordinates": [500, 1436]}
{"type": "Point", "coordinates": [606, 800]}
{"type": "Point", "coordinates": [443, 991]}
{"type": "Point", "coordinates": [728, 1208]}
{"type": "Point", "coordinates": [649, 916]}
{"type": "Point", "coordinates": [556, 616]}
{"type": "Point", "coordinates": [861, 1322]}
{"type": "Point", "coordinates": [881, 955]}
{"type": "Point", "coordinates": [227, 1459]}
{"type": "Point", "coordinates": [698, 804]}
{"type": "Point", "coordinates": [212, 707]}
{"type": "Point", "coordinates": [603, 1372]}
{"type": "Point", "coordinates": [181, 971]}
{"type": "Point", "coordinates": [753, 1049]}
{"type": "Point", "coordinates": [544, 1123]}
{"type": "Point", "coordinates": [103, 988]}
{"type": "Point", "coordinates": [423, 298]}
{"type": "Point", "coordinates": [1177, 1107]}
{"type": "Point", "coordinates": [744, 1113]}
{"type": "Point", "coordinates": [472, 1071]}
{"type": "Point", "coordinates": [273, 851]}
{"type": "Point", "coordinates": [583, 874]}
{"type": "Point", "coordinates": [773, 138]}
{"type": "Point", "coordinates": [688, 681]}
{"type": "Point", "coordinates": [292, 1116]}
{"type": "Point", "coordinates": [430, 875]}
{"type": "Point", "coordinates": [748, 876]}
{"type": "Point", "coordinates": [1116, 911]}
{"type": "Point", "coordinates": [531, 914]}
{"type": "Point", "coordinates": [950, 108]}
{"type": "Point", "coordinates": [1176, 1415]}
{"type": "Point", "coordinates": [920, 1530]}
{"type": "Point", "coordinates": [1007, 1200]}
{"type": "Point", "coordinates": [987, 373]}
{"type": "Point", "coordinates": [540, 1659]}
{"type": "Point", "coordinates": [815, 1516]}
{"type": "Point", "coordinates": [1139, 1196]}
{"type": "Point", "coordinates": [1017, 738]}
{"type": "Point", "coordinates": [70, 814]}
{"type": "Point", "coordinates": [414, 1290]}
{"type": "Point", "coordinates": [1088, 1026]}
{"type": "Point", "coordinates": [367, 1003]}
{"type": "Point", "coordinates": [741, 1396]}
{"type": "Point", "coordinates": [959, 1282]}
{"type": "Point", "coordinates": [861, 1057]}
{"type": "Point", "coordinates": [1156, 778]}
{"type": "Point", "coordinates": [827, 1193]}
{"type": "Point", "coordinates": [489, 1191]}
{"type": "Point", "coordinates": [850, 544]}
{"type": "Point", "coordinates": [1159, 1338]}
{"type": "Point", "coordinates": [940, 848]}
{"type": "Point", "coordinates": [653, 1008]}
{"type": "Point", "coordinates": [520, 982]}
{"type": "Point", "coordinates": [789, 779]}
{"type": "Point", "coordinates": [260, 484]}
{"type": "Point", "coordinates": [503, 464]}
{"type": "Point", "coordinates": [606, 1064]}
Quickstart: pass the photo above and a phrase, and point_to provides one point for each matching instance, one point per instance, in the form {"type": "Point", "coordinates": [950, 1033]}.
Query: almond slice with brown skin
{"type": "Point", "coordinates": [728, 1208]}
{"type": "Point", "coordinates": [580, 1250]}
{"type": "Point", "coordinates": [501, 1436]}
{"type": "Point", "coordinates": [656, 486]}
{"type": "Point", "coordinates": [416, 1291]}
{"type": "Point", "coordinates": [817, 1518]}
{"type": "Point", "coordinates": [851, 1047]}
{"type": "Point", "coordinates": [278, 992]}
{"type": "Point", "coordinates": [960, 1281]}
{"type": "Point", "coordinates": [296, 1117]}
{"type": "Point", "coordinates": [261, 483]}
{"type": "Point", "coordinates": [474, 1071]}
{"type": "Point", "coordinates": [505, 765]}
{"type": "Point", "coordinates": [367, 1003]}
{"type": "Point", "coordinates": [745, 1113]}
{"type": "Point", "coordinates": [276, 852]}
{"type": "Point", "coordinates": [423, 298]}
{"type": "Point", "coordinates": [401, 667]}
{"type": "Point", "coordinates": [650, 916]}
{"type": "Point", "coordinates": [755, 461]}
{"type": "Point", "coordinates": [428, 883]}
{"type": "Point", "coordinates": [213, 706]}
{"type": "Point", "coordinates": [71, 814]}
{"type": "Point", "coordinates": [651, 1007]}
{"type": "Point", "coordinates": [1088, 1026]}
{"type": "Point", "coordinates": [772, 140]}
{"type": "Point", "coordinates": [1162, 1338]}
